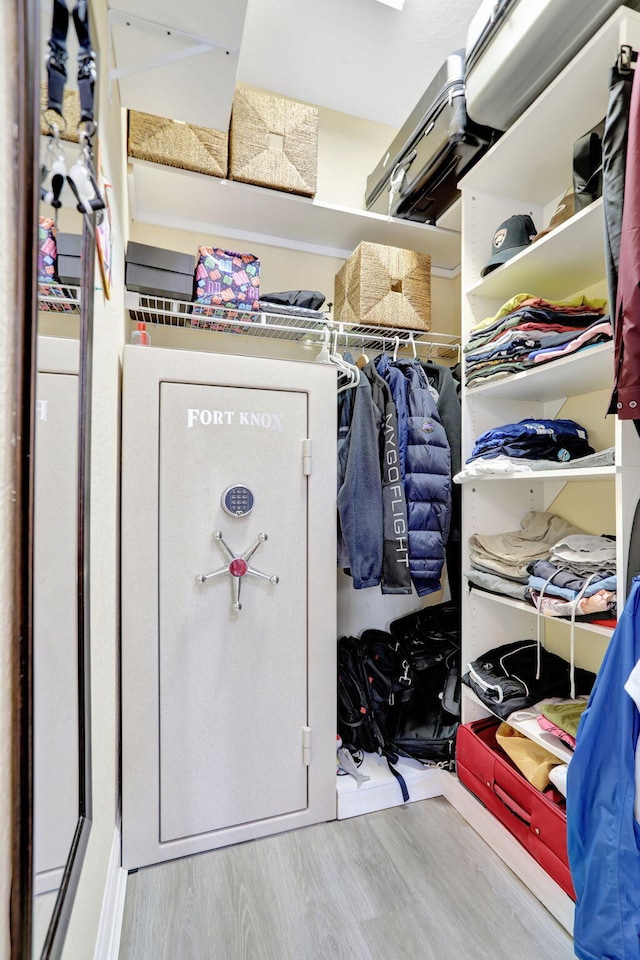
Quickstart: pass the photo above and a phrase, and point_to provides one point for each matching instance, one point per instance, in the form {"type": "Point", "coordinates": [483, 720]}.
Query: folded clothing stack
{"type": "Point", "coordinates": [517, 675]}
{"type": "Point", "coordinates": [500, 562]}
{"type": "Point", "coordinates": [578, 578]}
{"type": "Point", "coordinates": [562, 719]}
{"type": "Point", "coordinates": [508, 466]}
{"type": "Point", "coordinates": [560, 569]}
{"type": "Point", "coordinates": [529, 330]}
{"type": "Point", "coordinates": [532, 439]}
{"type": "Point", "coordinates": [294, 303]}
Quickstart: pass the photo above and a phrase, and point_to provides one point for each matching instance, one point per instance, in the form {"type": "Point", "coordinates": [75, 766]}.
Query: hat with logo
{"type": "Point", "coordinates": [564, 211]}
{"type": "Point", "coordinates": [512, 236]}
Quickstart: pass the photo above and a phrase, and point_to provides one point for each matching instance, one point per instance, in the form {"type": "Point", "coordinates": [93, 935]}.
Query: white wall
{"type": "Point", "coordinates": [8, 74]}
{"type": "Point", "coordinates": [108, 335]}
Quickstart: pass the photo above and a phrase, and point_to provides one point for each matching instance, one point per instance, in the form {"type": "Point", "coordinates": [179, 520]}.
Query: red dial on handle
{"type": "Point", "coordinates": [238, 567]}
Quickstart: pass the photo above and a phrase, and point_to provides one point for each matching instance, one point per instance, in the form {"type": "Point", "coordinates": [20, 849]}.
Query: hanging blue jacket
{"type": "Point", "coordinates": [360, 531]}
{"type": "Point", "coordinates": [427, 478]}
{"type": "Point", "coordinates": [602, 835]}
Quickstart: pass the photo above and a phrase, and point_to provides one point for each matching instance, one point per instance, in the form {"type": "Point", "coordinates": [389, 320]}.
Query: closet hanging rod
{"type": "Point", "coordinates": [390, 339]}
{"type": "Point", "coordinates": [307, 330]}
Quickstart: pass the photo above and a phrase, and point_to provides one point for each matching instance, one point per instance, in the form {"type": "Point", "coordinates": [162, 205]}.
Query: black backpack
{"type": "Point", "coordinates": [375, 682]}
{"type": "Point", "coordinates": [356, 722]}
{"type": "Point", "coordinates": [429, 723]}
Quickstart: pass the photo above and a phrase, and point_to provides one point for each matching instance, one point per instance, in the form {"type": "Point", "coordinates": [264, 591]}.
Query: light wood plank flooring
{"type": "Point", "coordinates": [410, 883]}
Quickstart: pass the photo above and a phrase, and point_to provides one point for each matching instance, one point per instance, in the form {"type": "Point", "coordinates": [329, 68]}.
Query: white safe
{"type": "Point", "coordinates": [228, 600]}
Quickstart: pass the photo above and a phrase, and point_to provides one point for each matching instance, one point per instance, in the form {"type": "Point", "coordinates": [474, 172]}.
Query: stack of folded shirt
{"type": "Point", "coordinates": [561, 719]}
{"type": "Point", "coordinates": [531, 439]}
{"type": "Point", "coordinates": [578, 578]}
{"type": "Point", "coordinates": [506, 466]}
{"type": "Point", "coordinates": [528, 331]}
{"type": "Point", "coordinates": [514, 676]}
{"type": "Point", "coordinates": [500, 562]}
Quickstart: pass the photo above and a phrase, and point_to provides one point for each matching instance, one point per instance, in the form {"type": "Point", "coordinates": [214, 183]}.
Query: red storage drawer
{"type": "Point", "coordinates": [534, 818]}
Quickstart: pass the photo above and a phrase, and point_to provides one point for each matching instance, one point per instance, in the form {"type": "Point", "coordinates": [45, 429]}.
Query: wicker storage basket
{"type": "Point", "coordinates": [273, 142]}
{"type": "Point", "coordinates": [70, 109]}
{"type": "Point", "coordinates": [384, 286]}
{"type": "Point", "coordinates": [177, 144]}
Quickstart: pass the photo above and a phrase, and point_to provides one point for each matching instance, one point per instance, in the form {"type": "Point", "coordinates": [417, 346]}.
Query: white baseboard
{"type": "Point", "coordinates": [110, 927]}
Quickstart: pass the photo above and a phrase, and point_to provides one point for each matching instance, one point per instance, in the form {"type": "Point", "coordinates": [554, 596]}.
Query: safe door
{"type": "Point", "coordinates": [228, 681]}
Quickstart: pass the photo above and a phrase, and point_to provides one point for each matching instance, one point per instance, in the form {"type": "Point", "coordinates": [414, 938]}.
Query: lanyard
{"type": "Point", "coordinates": [82, 177]}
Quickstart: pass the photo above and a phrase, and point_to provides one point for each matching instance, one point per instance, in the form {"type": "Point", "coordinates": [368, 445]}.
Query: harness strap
{"type": "Point", "coordinates": [86, 61]}
{"type": "Point", "coordinates": [57, 56]}
{"type": "Point", "coordinates": [401, 781]}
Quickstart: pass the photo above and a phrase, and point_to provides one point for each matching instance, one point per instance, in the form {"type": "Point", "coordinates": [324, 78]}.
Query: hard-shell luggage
{"type": "Point", "coordinates": [515, 48]}
{"type": "Point", "coordinates": [417, 177]}
{"type": "Point", "coordinates": [537, 820]}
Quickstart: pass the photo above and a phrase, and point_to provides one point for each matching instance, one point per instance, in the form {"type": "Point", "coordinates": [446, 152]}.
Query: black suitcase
{"type": "Point", "coordinates": [417, 177]}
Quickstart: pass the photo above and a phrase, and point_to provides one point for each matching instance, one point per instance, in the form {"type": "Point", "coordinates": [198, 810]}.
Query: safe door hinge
{"type": "Point", "coordinates": [306, 746]}
{"type": "Point", "coordinates": [306, 458]}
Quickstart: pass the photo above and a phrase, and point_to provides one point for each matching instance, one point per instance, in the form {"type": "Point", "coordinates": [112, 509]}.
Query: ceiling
{"type": "Point", "coordinates": [361, 57]}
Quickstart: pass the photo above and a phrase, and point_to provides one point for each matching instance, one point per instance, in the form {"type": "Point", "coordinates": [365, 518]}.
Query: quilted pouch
{"type": "Point", "coordinates": [47, 251]}
{"type": "Point", "coordinates": [48, 279]}
{"type": "Point", "coordinates": [226, 279]}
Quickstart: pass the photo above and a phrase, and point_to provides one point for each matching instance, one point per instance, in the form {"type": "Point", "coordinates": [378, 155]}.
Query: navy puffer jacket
{"type": "Point", "coordinates": [427, 482]}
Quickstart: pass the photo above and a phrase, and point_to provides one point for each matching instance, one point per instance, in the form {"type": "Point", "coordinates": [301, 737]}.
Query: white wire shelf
{"type": "Point", "coordinates": [58, 298]}
{"type": "Point", "coordinates": [307, 330]}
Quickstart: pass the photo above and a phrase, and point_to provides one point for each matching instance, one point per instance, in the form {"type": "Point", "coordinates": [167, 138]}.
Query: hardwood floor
{"type": "Point", "coordinates": [414, 882]}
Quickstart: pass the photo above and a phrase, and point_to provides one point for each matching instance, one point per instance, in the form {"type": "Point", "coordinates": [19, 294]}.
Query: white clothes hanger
{"type": "Point", "coordinates": [325, 353]}
{"type": "Point", "coordinates": [348, 374]}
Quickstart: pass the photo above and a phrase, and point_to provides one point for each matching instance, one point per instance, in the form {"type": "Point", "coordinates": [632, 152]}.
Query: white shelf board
{"type": "Point", "coordinates": [575, 474]}
{"type": "Point", "coordinates": [183, 200]}
{"type": "Point", "coordinates": [382, 790]}
{"type": "Point", "coordinates": [548, 129]}
{"type": "Point", "coordinates": [529, 728]}
{"type": "Point", "coordinates": [451, 219]}
{"type": "Point", "coordinates": [567, 260]}
{"type": "Point", "coordinates": [169, 57]}
{"type": "Point", "coordinates": [529, 608]}
{"type": "Point", "coordinates": [586, 371]}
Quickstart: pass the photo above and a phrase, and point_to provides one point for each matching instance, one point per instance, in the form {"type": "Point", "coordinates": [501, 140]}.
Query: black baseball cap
{"type": "Point", "coordinates": [512, 236]}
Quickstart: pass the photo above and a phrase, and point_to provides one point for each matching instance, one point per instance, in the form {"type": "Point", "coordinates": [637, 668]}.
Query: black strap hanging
{"type": "Point", "coordinates": [82, 177]}
{"type": "Point", "coordinates": [58, 54]}
{"type": "Point", "coordinates": [86, 61]}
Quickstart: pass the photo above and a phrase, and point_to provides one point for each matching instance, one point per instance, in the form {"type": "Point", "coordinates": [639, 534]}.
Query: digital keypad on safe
{"type": "Point", "coordinates": [237, 500]}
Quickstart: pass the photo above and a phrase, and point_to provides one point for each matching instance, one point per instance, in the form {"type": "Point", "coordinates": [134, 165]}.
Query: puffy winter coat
{"type": "Point", "coordinates": [360, 533]}
{"type": "Point", "coordinates": [427, 484]}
